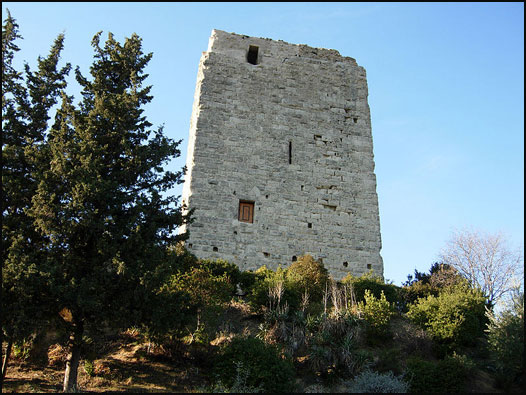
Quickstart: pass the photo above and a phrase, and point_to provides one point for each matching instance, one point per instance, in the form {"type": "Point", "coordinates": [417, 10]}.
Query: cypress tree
{"type": "Point", "coordinates": [86, 219]}
{"type": "Point", "coordinates": [99, 202]}
{"type": "Point", "coordinates": [26, 101]}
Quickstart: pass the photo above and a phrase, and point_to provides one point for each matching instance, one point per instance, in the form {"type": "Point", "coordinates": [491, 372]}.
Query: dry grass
{"type": "Point", "coordinates": [127, 368]}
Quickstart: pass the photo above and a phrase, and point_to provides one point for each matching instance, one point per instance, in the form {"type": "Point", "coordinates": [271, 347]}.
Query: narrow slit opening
{"type": "Point", "coordinates": [252, 55]}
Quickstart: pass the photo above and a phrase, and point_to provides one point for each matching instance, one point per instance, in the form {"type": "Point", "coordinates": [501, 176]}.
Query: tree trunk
{"type": "Point", "coordinates": [72, 362]}
{"type": "Point", "coordinates": [6, 359]}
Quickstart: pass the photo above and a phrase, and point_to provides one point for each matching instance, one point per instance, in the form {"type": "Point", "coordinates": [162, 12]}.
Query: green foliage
{"type": "Point", "coordinates": [505, 334]}
{"type": "Point", "coordinates": [375, 284]}
{"type": "Point", "coordinates": [26, 100]}
{"type": "Point", "coordinates": [221, 267]}
{"type": "Point", "coordinates": [332, 344]}
{"type": "Point", "coordinates": [377, 383]}
{"type": "Point", "coordinates": [85, 228]}
{"type": "Point", "coordinates": [445, 376]}
{"type": "Point", "coordinates": [240, 383]}
{"type": "Point", "coordinates": [440, 276]}
{"type": "Point", "coordinates": [22, 349]}
{"type": "Point", "coordinates": [203, 287]}
{"type": "Point", "coordinates": [89, 368]}
{"type": "Point", "coordinates": [271, 289]}
{"type": "Point", "coordinates": [308, 275]}
{"type": "Point", "coordinates": [377, 313]}
{"type": "Point", "coordinates": [456, 317]}
{"type": "Point", "coordinates": [264, 364]}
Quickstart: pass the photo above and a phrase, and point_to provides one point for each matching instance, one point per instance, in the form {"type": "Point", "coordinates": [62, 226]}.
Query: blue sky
{"type": "Point", "coordinates": [446, 92]}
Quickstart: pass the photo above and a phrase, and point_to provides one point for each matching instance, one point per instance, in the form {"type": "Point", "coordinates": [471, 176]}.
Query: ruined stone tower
{"type": "Point", "coordinates": [280, 157]}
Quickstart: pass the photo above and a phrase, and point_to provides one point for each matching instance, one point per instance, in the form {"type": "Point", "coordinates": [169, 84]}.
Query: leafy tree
{"type": "Point", "coordinates": [26, 101]}
{"type": "Point", "coordinates": [456, 317]}
{"type": "Point", "coordinates": [98, 204]}
{"type": "Point", "coordinates": [440, 276]}
{"type": "Point", "coordinates": [506, 341]}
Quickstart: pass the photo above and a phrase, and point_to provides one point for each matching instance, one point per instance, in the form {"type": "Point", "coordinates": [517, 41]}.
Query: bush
{"type": "Point", "coordinates": [440, 276]}
{"type": "Point", "coordinates": [264, 367]}
{"type": "Point", "coordinates": [240, 383]}
{"type": "Point", "coordinates": [456, 317]}
{"type": "Point", "coordinates": [268, 281]}
{"type": "Point", "coordinates": [194, 297]}
{"type": "Point", "coordinates": [374, 284]}
{"type": "Point", "coordinates": [221, 267]}
{"type": "Point", "coordinates": [203, 286]}
{"type": "Point", "coordinates": [445, 376]}
{"type": "Point", "coordinates": [308, 275]}
{"type": "Point", "coordinates": [418, 290]}
{"type": "Point", "coordinates": [377, 313]}
{"type": "Point", "coordinates": [377, 383]}
{"type": "Point", "coordinates": [506, 342]}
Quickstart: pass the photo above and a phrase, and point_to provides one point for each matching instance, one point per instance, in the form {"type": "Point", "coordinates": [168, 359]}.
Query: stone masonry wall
{"type": "Point", "coordinates": [293, 135]}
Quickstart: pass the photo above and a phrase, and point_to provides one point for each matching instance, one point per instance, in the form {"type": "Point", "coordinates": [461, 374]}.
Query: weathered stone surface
{"type": "Point", "coordinates": [293, 135]}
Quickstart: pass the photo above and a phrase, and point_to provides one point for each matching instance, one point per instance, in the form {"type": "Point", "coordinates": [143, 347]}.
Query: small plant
{"type": "Point", "coordinates": [377, 313]}
{"type": "Point", "coordinates": [377, 383]}
{"type": "Point", "coordinates": [240, 383]}
{"type": "Point", "coordinates": [22, 349]}
{"type": "Point", "coordinates": [89, 368]}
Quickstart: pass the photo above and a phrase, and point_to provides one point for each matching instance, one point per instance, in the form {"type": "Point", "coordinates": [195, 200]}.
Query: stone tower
{"type": "Point", "coordinates": [280, 157]}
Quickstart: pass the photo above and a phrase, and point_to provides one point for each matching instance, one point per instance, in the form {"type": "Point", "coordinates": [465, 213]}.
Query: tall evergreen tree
{"type": "Point", "coordinates": [26, 101]}
{"type": "Point", "coordinates": [99, 202]}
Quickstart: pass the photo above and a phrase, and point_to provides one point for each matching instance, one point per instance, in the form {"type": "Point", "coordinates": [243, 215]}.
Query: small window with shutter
{"type": "Point", "coordinates": [246, 211]}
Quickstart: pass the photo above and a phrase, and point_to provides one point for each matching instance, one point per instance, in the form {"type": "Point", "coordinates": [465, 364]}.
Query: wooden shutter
{"type": "Point", "coordinates": [246, 211]}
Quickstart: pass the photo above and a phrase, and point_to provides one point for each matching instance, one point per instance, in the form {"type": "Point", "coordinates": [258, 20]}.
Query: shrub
{"type": "Point", "coordinates": [308, 275]}
{"type": "Point", "coordinates": [377, 313]}
{"type": "Point", "coordinates": [203, 286]}
{"type": "Point", "coordinates": [195, 298]}
{"type": "Point", "coordinates": [377, 383]}
{"type": "Point", "coordinates": [375, 284]}
{"type": "Point", "coordinates": [418, 290]}
{"type": "Point", "coordinates": [440, 276]}
{"type": "Point", "coordinates": [263, 363]}
{"type": "Point", "coordinates": [505, 335]}
{"type": "Point", "coordinates": [445, 376]}
{"type": "Point", "coordinates": [220, 267]}
{"type": "Point", "coordinates": [240, 383]}
{"type": "Point", "coordinates": [267, 282]}
{"type": "Point", "coordinates": [332, 342]}
{"type": "Point", "coordinates": [456, 317]}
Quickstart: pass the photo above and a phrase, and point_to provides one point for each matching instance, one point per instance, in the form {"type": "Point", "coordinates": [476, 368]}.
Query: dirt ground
{"type": "Point", "coordinates": [127, 363]}
{"type": "Point", "coordinates": [129, 368]}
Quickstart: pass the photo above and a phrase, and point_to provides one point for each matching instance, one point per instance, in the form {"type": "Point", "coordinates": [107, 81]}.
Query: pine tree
{"type": "Point", "coordinates": [99, 202]}
{"type": "Point", "coordinates": [26, 101]}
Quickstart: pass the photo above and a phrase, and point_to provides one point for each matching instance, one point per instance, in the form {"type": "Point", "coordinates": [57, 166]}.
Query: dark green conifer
{"type": "Point", "coordinates": [99, 201]}
{"type": "Point", "coordinates": [26, 101]}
